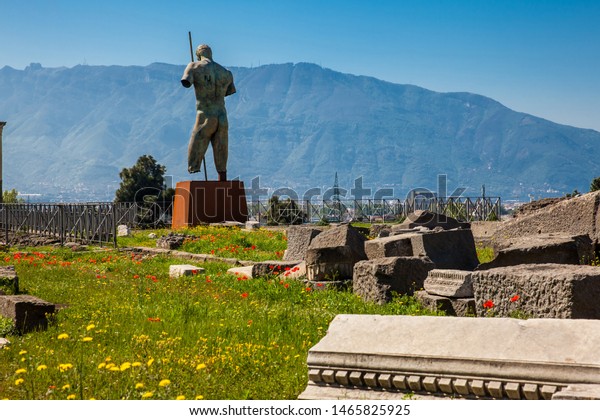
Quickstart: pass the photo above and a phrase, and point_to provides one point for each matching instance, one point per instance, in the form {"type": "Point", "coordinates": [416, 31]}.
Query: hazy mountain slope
{"type": "Point", "coordinates": [293, 125]}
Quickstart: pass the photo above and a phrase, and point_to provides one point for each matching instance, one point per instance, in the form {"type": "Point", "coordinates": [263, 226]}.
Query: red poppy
{"type": "Point", "coordinates": [135, 276]}
{"type": "Point", "coordinates": [244, 295]}
{"type": "Point", "coordinates": [154, 319]}
{"type": "Point", "coordinates": [286, 285]}
{"type": "Point", "coordinates": [514, 298]}
{"type": "Point", "coordinates": [488, 304]}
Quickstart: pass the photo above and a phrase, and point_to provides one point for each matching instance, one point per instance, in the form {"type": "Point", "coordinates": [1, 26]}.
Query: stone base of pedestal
{"type": "Point", "coordinates": [200, 202]}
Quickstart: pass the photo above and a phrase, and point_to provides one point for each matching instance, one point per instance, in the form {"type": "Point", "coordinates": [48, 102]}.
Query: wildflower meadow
{"type": "Point", "coordinates": [125, 330]}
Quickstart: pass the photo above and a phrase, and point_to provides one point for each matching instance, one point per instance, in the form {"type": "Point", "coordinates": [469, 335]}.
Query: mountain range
{"type": "Point", "coordinates": [70, 131]}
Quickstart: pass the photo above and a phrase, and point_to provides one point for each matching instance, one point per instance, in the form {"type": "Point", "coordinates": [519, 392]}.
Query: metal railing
{"type": "Point", "coordinates": [97, 222]}
{"type": "Point", "coordinates": [464, 209]}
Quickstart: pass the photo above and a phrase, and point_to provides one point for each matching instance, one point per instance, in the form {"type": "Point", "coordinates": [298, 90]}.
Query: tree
{"type": "Point", "coordinates": [143, 182]}
{"type": "Point", "coordinates": [595, 185]}
{"type": "Point", "coordinates": [11, 196]}
{"type": "Point", "coordinates": [285, 212]}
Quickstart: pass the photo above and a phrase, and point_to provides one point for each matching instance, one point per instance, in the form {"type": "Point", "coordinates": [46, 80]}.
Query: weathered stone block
{"type": "Point", "coordinates": [252, 225]}
{"type": "Point", "coordinates": [453, 249]}
{"type": "Point", "coordinates": [171, 241]}
{"type": "Point", "coordinates": [540, 290]}
{"type": "Point", "coordinates": [333, 253]}
{"type": "Point", "coordinates": [576, 216]}
{"type": "Point", "coordinates": [453, 307]}
{"type": "Point", "coordinates": [181, 270]}
{"type": "Point", "coordinates": [298, 241]}
{"type": "Point", "coordinates": [501, 358]}
{"type": "Point", "coordinates": [27, 312]}
{"type": "Point", "coordinates": [430, 220]}
{"type": "Point", "coordinates": [123, 230]}
{"type": "Point", "coordinates": [267, 268]}
{"type": "Point", "coordinates": [449, 283]}
{"type": "Point", "coordinates": [375, 280]}
{"type": "Point", "coordinates": [243, 272]}
{"type": "Point", "coordinates": [556, 248]}
{"type": "Point", "coordinates": [390, 246]}
{"type": "Point", "coordinates": [9, 281]}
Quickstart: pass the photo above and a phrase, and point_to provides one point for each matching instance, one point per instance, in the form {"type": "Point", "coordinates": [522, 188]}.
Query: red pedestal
{"type": "Point", "coordinates": [198, 202]}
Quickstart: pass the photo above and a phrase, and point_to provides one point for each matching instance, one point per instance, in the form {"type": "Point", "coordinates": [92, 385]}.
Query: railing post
{"type": "Point", "coordinates": [61, 224]}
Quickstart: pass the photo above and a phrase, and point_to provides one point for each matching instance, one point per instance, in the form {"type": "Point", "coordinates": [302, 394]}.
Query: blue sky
{"type": "Point", "coordinates": [540, 57]}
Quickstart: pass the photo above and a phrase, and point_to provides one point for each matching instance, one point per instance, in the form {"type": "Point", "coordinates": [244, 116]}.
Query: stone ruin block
{"type": "Point", "coordinates": [430, 220]}
{"type": "Point", "coordinates": [390, 246]}
{"type": "Point", "coordinates": [377, 230]}
{"type": "Point", "coordinates": [298, 241]}
{"type": "Point", "coordinates": [556, 248]}
{"type": "Point", "coordinates": [28, 313]}
{"type": "Point", "coordinates": [171, 241]}
{"type": "Point", "coordinates": [389, 357]}
{"type": "Point", "coordinates": [453, 249]}
{"type": "Point", "coordinates": [267, 268]}
{"type": "Point", "coordinates": [540, 290]}
{"type": "Point", "coordinates": [333, 253]}
{"type": "Point", "coordinates": [9, 282]}
{"type": "Point", "coordinates": [181, 270]}
{"type": "Point", "coordinates": [242, 272]}
{"type": "Point", "coordinates": [375, 280]}
{"type": "Point", "coordinates": [449, 283]}
{"type": "Point", "coordinates": [123, 230]}
{"type": "Point", "coordinates": [451, 306]}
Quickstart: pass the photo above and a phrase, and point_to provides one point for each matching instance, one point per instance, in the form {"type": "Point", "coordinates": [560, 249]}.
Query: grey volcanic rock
{"type": "Point", "coordinates": [376, 280]}
{"type": "Point", "coordinates": [556, 248]}
{"type": "Point", "coordinates": [543, 290]}
{"type": "Point", "coordinates": [333, 253]}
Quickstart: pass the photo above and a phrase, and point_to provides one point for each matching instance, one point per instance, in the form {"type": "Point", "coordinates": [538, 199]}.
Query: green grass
{"type": "Point", "coordinates": [485, 254]}
{"type": "Point", "coordinates": [127, 331]}
{"type": "Point", "coordinates": [228, 242]}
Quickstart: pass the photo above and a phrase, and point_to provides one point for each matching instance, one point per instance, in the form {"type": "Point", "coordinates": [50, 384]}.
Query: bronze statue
{"type": "Point", "coordinates": [212, 82]}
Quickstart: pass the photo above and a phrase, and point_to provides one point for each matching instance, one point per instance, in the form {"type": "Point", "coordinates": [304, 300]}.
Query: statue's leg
{"type": "Point", "coordinates": [220, 142]}
{"type": "Point", "coordinates": [201, 135]}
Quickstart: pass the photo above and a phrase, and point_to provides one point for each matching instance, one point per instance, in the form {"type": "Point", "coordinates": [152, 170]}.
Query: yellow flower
{"type": "Point", "coordinates": [63, 336]}
{"type": "Point", "coordinates": [201, 366]}
{"type": "Point", "coordinates": [199, 397]}
{"type": "Point", "coordinates": [101, 365]}
{"type": "Point", "coordinates": [19, 381]}
{"type": "Point", "coordinates": [139, 385]}
{"type": "Point", "coordinates": [115, 369]}
{"type": "Point", "coordinates": [22, 352]}
{"type": "Point", "coordinates": [108, 359]}
{"type": "Point", "coordinates": [164, 382]}
{"type": "Point", "coordinates": [87, 339]}
{"type": "Point", "coordinates": [150, 362]}
{"type": "Point", "coordinates": [63, 367]}
{"type": "Point", "coordinates": [19, 371]}
{"type": "Point", "coordinates": [136, 364]}
{"type": "Point", "coordinates": [65, 387]}
{"type": "Point", "coordinates": [110, 366]}
{"type": "Point", "coordinates": [180, 397]}
{"type": "Point", "coordinates": [147, 394]}
{"type": "Point", "coordinates": [71, 397]}
{"type": "Point", "coordinates": [42, 367]}
{"type": "Point", "coordinates": [90, 327]}
{"type": "Point", "coordinates": [125, 366]}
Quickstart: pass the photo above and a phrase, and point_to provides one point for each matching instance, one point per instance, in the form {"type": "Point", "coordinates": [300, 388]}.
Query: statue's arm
{"type": "Point", "coordinates": [231, 88]}
{"type": "Point", "coordinates": [187, 79]}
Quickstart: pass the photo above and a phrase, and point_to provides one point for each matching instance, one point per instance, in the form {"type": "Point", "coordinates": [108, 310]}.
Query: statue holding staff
{"type": "Point", "coordinates": [212, 82]}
